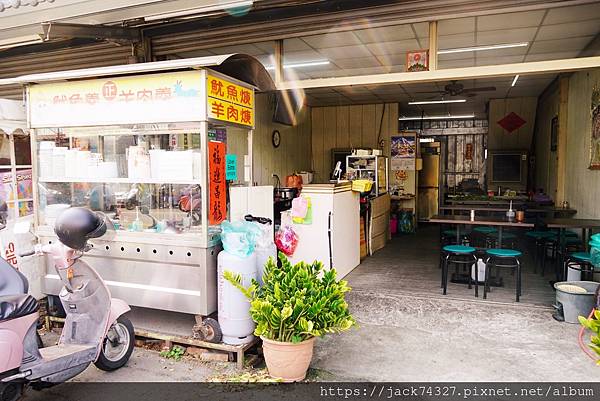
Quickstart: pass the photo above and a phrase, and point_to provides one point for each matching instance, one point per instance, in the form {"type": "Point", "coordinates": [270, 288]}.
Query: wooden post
{"type": "Point", "coordinates": [433, 46]}
{"type": "Point", "coordinates": [278, 62]}
{"type": "Point", "coordinates": [561, 151]}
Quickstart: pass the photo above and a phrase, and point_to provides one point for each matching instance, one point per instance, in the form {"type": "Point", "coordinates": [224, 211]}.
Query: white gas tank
{"type": "Point", "coordinates": [262, 257]}
{"type": "Point", "coordinates": [234, 308]}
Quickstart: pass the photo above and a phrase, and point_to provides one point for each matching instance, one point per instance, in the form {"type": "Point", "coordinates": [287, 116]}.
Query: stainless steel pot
{"type": "Point", "coordinates": [285, 193]}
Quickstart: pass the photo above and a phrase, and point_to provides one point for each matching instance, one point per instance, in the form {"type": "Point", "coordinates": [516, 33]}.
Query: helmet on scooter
{"type": "Point", "coordinates": [76, 225]}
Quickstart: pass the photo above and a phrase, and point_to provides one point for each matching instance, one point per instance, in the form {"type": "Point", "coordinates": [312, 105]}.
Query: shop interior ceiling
{"type": "Point", "coordinates": [369, 46]}
{"type": "Point", "coordinates": [558, 33]}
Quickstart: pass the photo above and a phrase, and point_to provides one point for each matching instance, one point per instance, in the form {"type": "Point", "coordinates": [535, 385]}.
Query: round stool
{"type": "Point", "coordinates": [459, 255]}
{"type": "Point", "coordinates": [481, 232]}
{"type": "Point", "coordinates": [502, 258]}
{"type": "Point", "coordinates": [581, 261]}
{"type": "Point", "coordinates": [540, 239]}
{"type": "Point", "coordinates": [509, 240]}
{"type": "Point", "coordinates": [449, 238]}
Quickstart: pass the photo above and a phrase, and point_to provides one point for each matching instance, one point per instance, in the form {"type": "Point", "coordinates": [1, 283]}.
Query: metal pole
{"type": "Point", "coordinates": [433, 45]}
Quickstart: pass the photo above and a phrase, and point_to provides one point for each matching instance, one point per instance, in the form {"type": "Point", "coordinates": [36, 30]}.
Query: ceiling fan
{"type": "Point", "coordinates": [454, 89]}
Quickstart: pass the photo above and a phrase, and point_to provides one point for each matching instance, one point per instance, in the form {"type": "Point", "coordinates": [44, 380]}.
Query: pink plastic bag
{"type": "Point", "coordinates": [286, 240]}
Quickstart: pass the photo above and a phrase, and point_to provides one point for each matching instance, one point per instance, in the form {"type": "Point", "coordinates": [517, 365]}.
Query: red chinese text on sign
{"type": "Point", "coordinates": [109, 90]}
{"type": "Point", "coordinates": [217, 210]}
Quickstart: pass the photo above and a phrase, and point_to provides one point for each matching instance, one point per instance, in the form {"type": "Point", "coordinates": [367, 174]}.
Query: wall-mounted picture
{"type": "Point", "coordinates": [417, 60]}
{"type": "Point", "coordinates": [554, 134]}
{"type": "Point", "coordinates": [595, 144]}
{"type": "Point", "coordinates": [403, 151]}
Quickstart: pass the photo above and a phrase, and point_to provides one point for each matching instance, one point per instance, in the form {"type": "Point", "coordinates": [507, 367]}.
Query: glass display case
{"type": "Point", "coordinates": [369, 167]}
{"type": "Point", "coordinates": [156, 154]}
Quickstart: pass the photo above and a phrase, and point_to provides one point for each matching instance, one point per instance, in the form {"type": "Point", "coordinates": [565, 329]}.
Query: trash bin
{"type": "Point", "coordinates": [574, 299]}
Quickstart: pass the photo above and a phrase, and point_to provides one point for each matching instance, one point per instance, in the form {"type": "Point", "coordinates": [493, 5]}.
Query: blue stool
{"type": "Point", "coordinates": [459, 255]}
{"type": "Point", "coordinates": [581, 261]}
{"type": "Point", "coordinates": [540, 240]}
{"type": "Point", "coordinates": [508, 239]}
{"type": "Point", "coordinates": [502, 258]}
{"type": "Point", "coordinates": [480, 233]}
{"type": "Point", "coordinates": [449, 237]}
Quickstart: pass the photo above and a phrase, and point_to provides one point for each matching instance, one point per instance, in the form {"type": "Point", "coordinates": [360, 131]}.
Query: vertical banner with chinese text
{"type": "Point", "coordinates": [217, 209]}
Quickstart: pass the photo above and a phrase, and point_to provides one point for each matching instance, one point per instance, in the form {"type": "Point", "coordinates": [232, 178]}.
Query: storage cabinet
{"type": "Point", "coordinates": [374, 168]}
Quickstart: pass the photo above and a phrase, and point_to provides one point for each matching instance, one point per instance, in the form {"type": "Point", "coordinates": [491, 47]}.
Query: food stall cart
{"type": "Point", "coordinates": [16, 190]}
{"type": "Point", "coordinates": [153, 146]}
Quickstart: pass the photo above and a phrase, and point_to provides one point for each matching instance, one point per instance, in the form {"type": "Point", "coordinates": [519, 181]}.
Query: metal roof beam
{"type": "Point", "coordinates": [59, 30]}
{"type": "Point", "coordinates": [487, 71]}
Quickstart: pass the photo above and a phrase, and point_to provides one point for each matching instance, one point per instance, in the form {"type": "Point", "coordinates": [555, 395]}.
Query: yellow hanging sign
{"type": "Point", "coordinates": [229, 102]}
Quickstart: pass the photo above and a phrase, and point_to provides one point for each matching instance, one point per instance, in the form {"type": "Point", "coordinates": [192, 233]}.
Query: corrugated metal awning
{"type": "Point", "coordinates": [240, 66]}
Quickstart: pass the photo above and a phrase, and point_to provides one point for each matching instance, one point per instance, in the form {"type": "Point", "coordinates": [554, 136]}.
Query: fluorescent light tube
{"type": "Point", "coordinates": [436, 117]}
{"type": "Point", "coordinates": [20, 41]}
{"type": "Point", "coordinates": [300, 64]}
{"type": "Point", "coordinates": [200, 10]}
{"type": "Point", "coordinates": [480, 48]}
{"type": "Point", "coordinates": [438, 101]}
{"type": "Point", "coordinates": [514, 82]}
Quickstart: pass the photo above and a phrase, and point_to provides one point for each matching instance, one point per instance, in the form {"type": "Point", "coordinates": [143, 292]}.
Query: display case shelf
{"type": "Point", "coordinates": [120, 181]}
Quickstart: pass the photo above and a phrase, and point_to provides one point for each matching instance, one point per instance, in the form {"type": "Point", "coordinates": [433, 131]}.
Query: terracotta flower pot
{"type": "Point", "coordinates": [288, 361]}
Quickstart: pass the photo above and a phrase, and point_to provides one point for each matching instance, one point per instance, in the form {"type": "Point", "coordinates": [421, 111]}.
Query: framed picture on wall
{"type": "Point", "coordinates": [554, 134]}
{"type": "Point", "coordinates": [417, 60]}
{"type": "Point", "coordinates": [595, 140]}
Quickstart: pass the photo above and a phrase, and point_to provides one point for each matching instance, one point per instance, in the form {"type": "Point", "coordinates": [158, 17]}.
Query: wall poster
{"type": "Point", "coordinates": [403, 152]}
{"type": "Point", "coordinates": [595, 143]}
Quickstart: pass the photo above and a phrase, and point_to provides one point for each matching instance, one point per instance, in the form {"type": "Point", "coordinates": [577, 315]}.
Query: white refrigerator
{"type": "Point", "coordinates": [333, 237]}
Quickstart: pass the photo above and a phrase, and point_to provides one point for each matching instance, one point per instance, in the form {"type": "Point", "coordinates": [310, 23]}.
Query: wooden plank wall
{"type": "Point", "coordinates": [582, 185]}
{"type": "Point", "coordinates": [456, 146]}
{"type": "Point", "coordinates": [294, 153]}
{"type": "Point", "coordinates": [498, 137]}
{"type": "Point", "coordinates": [351, 126]}
{"type": "Point", "coordinates": [545, 159]}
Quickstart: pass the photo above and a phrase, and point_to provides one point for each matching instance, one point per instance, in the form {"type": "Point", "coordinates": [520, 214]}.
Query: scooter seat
{"type": "Point", "coordinates": [14, 306]}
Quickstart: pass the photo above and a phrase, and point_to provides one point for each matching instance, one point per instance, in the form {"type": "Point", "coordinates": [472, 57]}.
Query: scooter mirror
{"type": "Point", "coordinates": [22, 227]}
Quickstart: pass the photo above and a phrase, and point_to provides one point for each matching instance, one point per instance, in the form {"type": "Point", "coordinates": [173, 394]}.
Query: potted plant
{"type": "Point", "coordinates": [295, 305]}
{"type": "Point", "coordinates": [592, 323]}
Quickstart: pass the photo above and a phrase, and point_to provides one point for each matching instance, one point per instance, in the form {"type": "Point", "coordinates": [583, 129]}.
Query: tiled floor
{"type": "Point", "coordinates": [409, 264]}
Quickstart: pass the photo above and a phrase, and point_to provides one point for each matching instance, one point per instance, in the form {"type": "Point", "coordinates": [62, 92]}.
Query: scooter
{"type": "Point", "coordinates": [95, 329]}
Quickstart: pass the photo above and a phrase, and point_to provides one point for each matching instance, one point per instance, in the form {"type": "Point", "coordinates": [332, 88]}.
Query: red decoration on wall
{"type": "Point", "coordinates": [217, 211]}
{"type": "Point", "coordinates": [511, 122]}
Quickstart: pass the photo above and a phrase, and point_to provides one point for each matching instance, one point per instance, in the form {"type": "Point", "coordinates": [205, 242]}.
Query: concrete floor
{"type": "Point", "coordinates": [409, 338]}
{"type": "Point", "coordinates": [408, 331]}
{"type": "Point", "coordinates": [410, 265]}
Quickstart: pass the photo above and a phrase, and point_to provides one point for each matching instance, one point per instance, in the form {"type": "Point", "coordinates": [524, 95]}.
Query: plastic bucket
{"type": "Point", "coordinates": [573, 304]}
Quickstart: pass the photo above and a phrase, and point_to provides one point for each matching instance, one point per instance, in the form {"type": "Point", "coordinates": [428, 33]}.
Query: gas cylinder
{"type": "Point", "coordinates": [234, 308]}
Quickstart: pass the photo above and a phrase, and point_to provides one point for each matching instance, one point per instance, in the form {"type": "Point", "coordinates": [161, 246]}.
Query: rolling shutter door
{"type": "Point", "coordinates": [95, 55]}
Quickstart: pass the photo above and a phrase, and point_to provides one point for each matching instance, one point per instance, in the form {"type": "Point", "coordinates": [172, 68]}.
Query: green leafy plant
{"type": "Point", "coordinates": [593, 324]}
{"type": "Point", "coordinates": [176, 352]}
{"type": "Point", "coordinates": [296, 302]}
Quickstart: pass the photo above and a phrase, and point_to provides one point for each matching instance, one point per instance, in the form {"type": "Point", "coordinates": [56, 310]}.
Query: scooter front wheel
{"type": "Point", "coordinates": [117, 346]}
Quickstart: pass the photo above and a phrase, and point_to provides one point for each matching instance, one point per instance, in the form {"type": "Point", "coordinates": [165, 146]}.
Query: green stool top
{"type": "Point", "coordinates": [571, 234]}
{"type": "Point", "coordinates": [504, 253]}
{"type": "Point", "coordinates": [583, 256]}
{"type": "Point", "coordinates": [459, 249]}
{"type": "Point", "coordinates": [449, 232]}
{"type": "Point", "coordinates": [504, 235]}
{"type": "Point", "coordinates": [539, 234]}
{"type": "Point", "coordinates": [572, 241]}
{"type": "Point", "coordinates": [485, 230]}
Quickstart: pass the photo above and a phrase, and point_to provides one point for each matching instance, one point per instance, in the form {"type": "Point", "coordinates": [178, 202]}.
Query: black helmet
{"type": "Point", "coordinates": [76, 225]}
